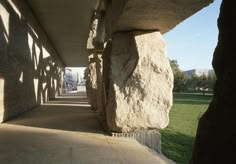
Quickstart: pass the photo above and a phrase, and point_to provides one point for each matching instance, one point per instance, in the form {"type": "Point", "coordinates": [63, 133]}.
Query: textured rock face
{"type": "Point", "coordinates": [98, 60]}
{"type": "Point", "coordinates": [106, 71]}
{"type": "Point", "coordinates": [94, 82]}
{"type": "Point", "coordinates": [141, 82]}
{"type": "Point", "coordinates": [95, 45]}
{"type": "Point", "coordinates": [215, 140]}
{"type": "Point", "coordinates": [91, 83]}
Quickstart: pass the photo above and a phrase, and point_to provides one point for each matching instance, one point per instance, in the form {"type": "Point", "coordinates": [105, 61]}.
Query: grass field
{"type": "Point", "coordinates": [178, 137]}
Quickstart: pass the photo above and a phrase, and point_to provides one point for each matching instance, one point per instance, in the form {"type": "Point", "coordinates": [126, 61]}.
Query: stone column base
{"type": "Point", "coordinates": [149, 138]}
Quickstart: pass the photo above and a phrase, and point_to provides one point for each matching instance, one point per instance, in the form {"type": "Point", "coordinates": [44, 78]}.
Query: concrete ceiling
{"type": "Point", "coordinates": [67, 24]}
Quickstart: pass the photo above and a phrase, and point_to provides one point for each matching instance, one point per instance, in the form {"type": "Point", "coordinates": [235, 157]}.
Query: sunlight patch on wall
{"type": "Point", "coordinates": [36, 84]}
{"type": "Point", "coordinates": [45, 53]}
{"type": "Point", "coordinates": [21, 77]}
{"type": "Point", "coordinates": [34, 51]}
{"type": "Point", "coordinates": [55, 83]}
{"type": "Point", "coordinates": [37, 54]}
{"type": "Point", "coordinates": [4, 15]}
{"type": "Point", "coordinates": [14, 8]}
{"type": "Point", "coordinates": [30, 44]}
{"type": "Point", "coordinates": [48, 68]}
{"type": "Point", "coordinates": [33, 31]}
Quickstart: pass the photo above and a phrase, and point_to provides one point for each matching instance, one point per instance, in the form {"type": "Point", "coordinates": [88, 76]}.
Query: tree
{"type": "Point", "coordinates": [180, 78]}
{"type": "Point", "coordinates": [174, 65]}
{"type": "Point", "coordinates": [191, 83]}
{"type": "Point", "coordinates": [202, 83]}
{"type": "Point", "coordinates": [180, 81]}
{"type": "Point", "coordinates": [211, 81]}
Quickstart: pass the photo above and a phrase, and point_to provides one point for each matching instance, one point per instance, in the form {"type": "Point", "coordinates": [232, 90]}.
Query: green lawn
{"type": "Point", "coordinates": [178, 137]}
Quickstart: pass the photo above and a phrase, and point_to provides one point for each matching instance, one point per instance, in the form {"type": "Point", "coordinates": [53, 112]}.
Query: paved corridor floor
{"type": "Point", "coordinates": [66, 131]}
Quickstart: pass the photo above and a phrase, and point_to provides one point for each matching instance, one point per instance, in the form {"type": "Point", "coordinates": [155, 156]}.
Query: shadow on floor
{"type": "Point", "coordinates": [64, 113]}
{"type": "Point", "coordinates": [63, 133]}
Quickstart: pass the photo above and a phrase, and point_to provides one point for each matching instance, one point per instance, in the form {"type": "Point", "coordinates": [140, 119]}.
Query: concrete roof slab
{"type": "Point", "coordinates": [161, 15]}
{"type": "Point", "coordinates": [67, 24]}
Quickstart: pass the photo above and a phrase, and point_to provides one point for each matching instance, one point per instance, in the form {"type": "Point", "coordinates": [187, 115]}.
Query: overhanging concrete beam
{"type": "Point", "coordinates": [67, 23]}
{"type": "Point", "coordinates": [163, 15]}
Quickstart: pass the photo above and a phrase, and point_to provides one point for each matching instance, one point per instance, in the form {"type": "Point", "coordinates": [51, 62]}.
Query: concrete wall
{"type": "Point", "coordinates": [30, 69]}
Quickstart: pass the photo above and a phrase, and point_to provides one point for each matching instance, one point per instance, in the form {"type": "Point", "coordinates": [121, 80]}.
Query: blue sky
{"type": "Point", "coordinates": [193, 41]}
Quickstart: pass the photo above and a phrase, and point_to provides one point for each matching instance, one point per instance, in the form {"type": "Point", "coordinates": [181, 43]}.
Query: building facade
{"type": "Point", "coordinates": [70, 80]}
{"type": "Point", "coordinates": [199, 72]}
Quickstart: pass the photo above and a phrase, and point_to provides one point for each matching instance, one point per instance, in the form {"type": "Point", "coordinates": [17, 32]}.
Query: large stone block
{"type": "Point", "coordinates": [98, 58]}
{"type": "Point", "coordinates": [141, 82]}
{"type": "Point", "coordinates": [91, 83]}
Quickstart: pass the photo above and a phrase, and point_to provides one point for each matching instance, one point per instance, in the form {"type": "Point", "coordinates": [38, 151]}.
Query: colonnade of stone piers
{"type": "Point", "coordinates": [129, 78]}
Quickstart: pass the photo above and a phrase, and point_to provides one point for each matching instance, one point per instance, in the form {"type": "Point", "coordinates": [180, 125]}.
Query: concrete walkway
{"type": "Point", "coordinates": [66, 131]}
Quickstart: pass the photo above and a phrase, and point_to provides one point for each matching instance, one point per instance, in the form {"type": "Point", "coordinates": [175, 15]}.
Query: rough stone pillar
{"type": "Point", "coordinates": [106, 71]}
{"type": "Point", "coordinates": [95, 45]}
{"type": "Point", "coordinates": [99, 39]}
{"type": "Point", "coordinates": [216, 134]}
{"type": "Point", "coordinates": [140, 84]}
{"type": "Point", "coordinates": [98, 43]}
{"type": "Point", "coordinates": [91, 82]}
{"type": "Point", "coordinates": [98, 59]}
{"type": "Point", "coordinates": [94, 82]}
{"type": "Point", "coordinates": [91, 72]}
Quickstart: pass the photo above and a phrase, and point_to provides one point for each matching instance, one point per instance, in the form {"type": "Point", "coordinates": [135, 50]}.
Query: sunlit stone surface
{"type": "Point", "coordinates": [141, 82]}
